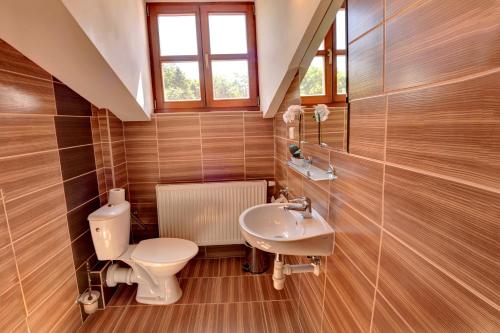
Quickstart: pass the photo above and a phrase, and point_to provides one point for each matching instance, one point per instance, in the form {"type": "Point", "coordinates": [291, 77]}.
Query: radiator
{"type": "Point", "coordinates": [208, 213]}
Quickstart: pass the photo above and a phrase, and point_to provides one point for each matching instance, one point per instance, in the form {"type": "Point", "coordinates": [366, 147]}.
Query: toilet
{"type": "Point", "coordinates": [153, 262]}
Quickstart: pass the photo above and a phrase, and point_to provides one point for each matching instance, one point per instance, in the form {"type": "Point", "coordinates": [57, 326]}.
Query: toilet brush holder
{"type": "Point", "coordinates": [89, 300]}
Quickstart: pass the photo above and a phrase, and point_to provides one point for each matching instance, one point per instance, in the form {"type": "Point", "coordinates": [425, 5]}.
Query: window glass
{"type": "Point", "coordinates": [228, 33]}
{"type": "Point", "coordinates": [230, 79]}
{"type": "Point", "coordinates": [313, 83]}
{"type": "Point", "coordinates": [181, 81]}
{"type": "Point", "coordinates": [177, 35]}
{"type": "Point", "coordinates": [341, 75]}
{"type": "Point", "coordinates": [340, 36]}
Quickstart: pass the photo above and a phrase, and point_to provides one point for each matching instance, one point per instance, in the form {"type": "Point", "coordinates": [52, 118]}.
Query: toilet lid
{"type": "Point", "coordinates": [164, 250]}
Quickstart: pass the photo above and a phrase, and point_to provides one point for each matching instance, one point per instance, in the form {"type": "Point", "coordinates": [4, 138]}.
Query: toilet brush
{"type": "Point", "coordinates": [89, 297]}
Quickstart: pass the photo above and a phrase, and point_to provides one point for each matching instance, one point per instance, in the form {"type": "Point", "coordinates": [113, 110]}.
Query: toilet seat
{"type": "Point", "coordinates": [161, 251]}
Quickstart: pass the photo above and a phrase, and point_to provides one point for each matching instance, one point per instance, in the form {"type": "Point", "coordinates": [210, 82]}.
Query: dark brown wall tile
{"type": "Point", "coordinates": [221, 125]}
{"type": "Point", "coordinates": [458, 229]}
{"type": "Point", "coordinates": [259, 168]}
{"type": "Point", "coordinates": [458, 34]}
{"type": "Point", "coordinates": [181, 171]}
{"type": "Point", "coordinates": [222, 148]}
{"type": "Point", "coordinates": [77, 161]}
{"type": "Point", "coordinates": [28, 173]}
{"type": "Point", "coordinates": [386, 320]}
{"type": "Point", "coordinates": [224, 169]}
{"type": "Point", "coordinates": [34, 210]}
{"type": "Point", "coordinates": [358, 237]}
{"type": "Point", "coordinates": [77, 219]}
{"type": "Point", "coordinates": [73, 131]}
{"type": "Point", "coordinates": [259, 146]}
{"type": "Point", "coordinates": [366, 65]}
{"type": "Point", "coordinates": [143, 172]}
{"type": "Point", "coordinates": [426, 298]}
{"type": "Point", "coordinates": [146, 212]}
{"type": "Point", "coordinates": [359, 184]}
{"type": "Point", "coordinates": [13, 61]}
{"type": "Point", "coordinates": [32, 96]}
{"type": "Point", "coordinates": [255, 125]}
{"type": "Point", "coordinates": [363, 16]}
{"type": "Point", "coordinates": [83, 248]}
{"type": "Point", "coordinates": [69, 102]}
{"type": "Point", "coordinates": [367, 127]}
{"type": "Point", "coordinates": [80, 190]}
{"type": "Point", "coordinates": [140, 130]}
{"type": "Point", "coordinates": [12, 315]}
{"type": "Point", "coordinates": [37, 247]}
{"type": "Point", "coordinates": [440, 130]}
{"type": "Point", "coordinates": [179, 149]}
{"type": "Point", "coordinates": [141, 150]}
{"type": "Point", "coordinates": [177, 127]}
{"type": "Point", "coordinates": [26, 134]}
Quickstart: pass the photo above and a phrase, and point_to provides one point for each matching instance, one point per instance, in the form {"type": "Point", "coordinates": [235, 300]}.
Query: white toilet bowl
{"type": "Point", "coordinates": [153, 262]}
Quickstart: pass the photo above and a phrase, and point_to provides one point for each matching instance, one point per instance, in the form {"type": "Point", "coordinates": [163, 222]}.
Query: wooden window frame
{"type": "Point", "coordinates": [330, 53]}
{"type": "Point", "coordinates": [204, 56]}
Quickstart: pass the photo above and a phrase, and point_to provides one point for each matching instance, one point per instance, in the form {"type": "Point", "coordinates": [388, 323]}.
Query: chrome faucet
{"type": "Point", "coordinates": [302, 205]}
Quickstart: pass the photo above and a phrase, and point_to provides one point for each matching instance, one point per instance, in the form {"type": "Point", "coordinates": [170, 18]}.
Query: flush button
{"type": "Point", "coordinates": [97, 229]}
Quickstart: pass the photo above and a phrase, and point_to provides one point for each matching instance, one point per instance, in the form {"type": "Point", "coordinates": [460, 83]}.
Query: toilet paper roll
{"type": "Point", "coordinates": [116, 196]}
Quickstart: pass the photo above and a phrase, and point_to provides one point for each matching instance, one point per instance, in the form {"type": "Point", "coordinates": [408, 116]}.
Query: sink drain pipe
{"type": "Point", "coordinates": [281, 270]}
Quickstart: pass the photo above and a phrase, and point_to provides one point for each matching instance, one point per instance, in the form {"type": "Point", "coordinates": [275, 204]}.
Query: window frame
{"type": "Point", "coordinates": [331, 97]}
{"type": "Point", "coordinates": [204, 57]}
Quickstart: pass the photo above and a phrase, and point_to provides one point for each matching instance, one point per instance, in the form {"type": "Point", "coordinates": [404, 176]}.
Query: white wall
{"type": "Point", "coordinates": [47, 33]}
{"type": "Point", "coordinates": [119, 32]}
{"type": "Point", "coordinates": [285, 30]}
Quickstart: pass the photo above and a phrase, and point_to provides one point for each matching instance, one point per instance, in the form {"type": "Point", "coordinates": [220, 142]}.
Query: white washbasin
{"type": "Point", "coordinates": [271, 228]}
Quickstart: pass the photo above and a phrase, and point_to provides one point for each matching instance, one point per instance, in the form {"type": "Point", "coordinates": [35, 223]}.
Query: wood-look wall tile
{"type": "Point", "coordinates": [23, 174]}
{"type": "Point", "coordinates": [34, 210]}
{"type": "Point", "coordinates": [363, 15]}
{"type": "Point", "coordinates": [140, 130]}
{"type": "Point", "coordinates": [48, 278]}
{"type": "Point", "coordinates": [458, 34]}
{"type": "Point", "coordinates": [121, 175]}
{"type": "Point", "coordinates": [393, 7]}
{"type": "Point", "coordinates": [98, 157]}
{"type": "Point", "coordinates": [259, 168]}
{"type": "Point", "coordinates": [385, 320]}
{"type": "Point", "coordinates": [261, 146]}
{"type": "Point", "coordinates": [73, 131]}
{"type": "Point", "coordinates": [12, 315]}
{"type": "Point", "coordinates": [280, 173]}
{"type": "Point", "coordinates": [357, 236]}
{"type": "Point", "coordinates": [439, 130]}
{"type": "Point", "coordinates": [96, 131]}
{"type": "Point", "coordinates": [118, 152]}
{"type": "Point", "coordinates": [318, 196]}
{"type": "Point", "coordinates": [22, 327]}
{"type": "Point", "coordinates": [77, 161]}
{"type": "Point", "coordinates": [429, 300]}
{"type": "Point", "coordinates": [115, 128]}
{"type": "Point", "coordinates": [45, 317]}
{"type": "Point", "coordinates": [8, 278]}
{"type": "Point", "coordinates": [26, 95]}
{"type": "Point", "coordinates": [71, 322]}
{"type": "Point", "coordinates": [14, 61]}
{"type": "Point", "coordinates": [69, 103]}
{"type": "Point", "coordinates": [454, 225]}
{"type": "Point", "coordinates": [82, 248]}
{"type": "Point", "coordinates": [181, 171]}
{"type": "Point", "coordinates": [222, 148]}
{"type": "Point", "coordinates": [178, 127]}
{"type": "Point", "coordinates": [221, 126]}
{"type": "Point", "coordinates": [320, 156]}
{"type": "Point", "coordinates": [141, 151]}
{"type": "Point", "coordinates": [142, 193]}
{"type": "Point", "coordinates": [106, 154]}
{"type": "Point", "coordinates": [280, 128]}
{"type": "Point", "coordinates": [143, 172]}
{"type": "Point", "coordinates": [4, 232]}
{"type": "Point", "coordinates": [109, 178]}
{"type": "Point", "coordinates": [179, 149]}
{"type": "Point", "coordinates": [311, 301]}
{"type": "Point", "coordinates": [80, 190]}
{"type": "Point", "coordinates": [37, 247]}
{"type": "Point", "coordinates": [348, 295]}
{"type": "Point", "coordinates": [147, 213]}
{"type": "Point", "coordinates": [367, 127]}
{"type": "Point", "coordinates": [26, 134]}
{"type": "Point", "coordinates": [103, 125]}
{"type": "Point", "coordinates": [77, 218]}
{"type": "Point", "coordinates": [281, 317]}
{"type": "Point", "coordinates": [101, 180]}
{"type": "Point", "coordinates": [295, 182]}
{"type": "Point", "coordinates": [366, 64]}
{"type": "Point", "coordinates": [256, 125]}
{"type": "Point", "coordinates": [281, 149]}
{"type": "Point", "coordinates": [224, 169]}
{"type": "Point", "coordinates": [359, 184]}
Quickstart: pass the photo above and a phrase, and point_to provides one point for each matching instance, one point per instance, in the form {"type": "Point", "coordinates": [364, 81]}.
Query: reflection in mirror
{"type": "Point", "coordinates": [324, 83]}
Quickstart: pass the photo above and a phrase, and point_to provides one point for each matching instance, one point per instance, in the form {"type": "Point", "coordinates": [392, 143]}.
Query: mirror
{"type": "Point", "coordinates": [323, 81]}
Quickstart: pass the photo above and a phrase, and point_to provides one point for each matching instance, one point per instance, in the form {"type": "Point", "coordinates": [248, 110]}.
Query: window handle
{"type": "Point", "coordinates": [330, 56]}
{"type": "Point", "coordinates": [207, 61]}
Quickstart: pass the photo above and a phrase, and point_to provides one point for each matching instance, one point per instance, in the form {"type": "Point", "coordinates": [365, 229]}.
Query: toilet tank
{"type": "Point", "coordinates": [110, 228]}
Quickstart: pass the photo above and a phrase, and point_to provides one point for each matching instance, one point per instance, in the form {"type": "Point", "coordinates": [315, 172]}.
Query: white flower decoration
{"type": "Point", "coordinates": [321, 112]}
{"type": "Point", "coordinates": [291, 112]}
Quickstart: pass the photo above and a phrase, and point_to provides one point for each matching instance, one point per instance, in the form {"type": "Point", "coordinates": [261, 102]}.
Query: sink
{"type": "Point", "coordinates": [271, 228]}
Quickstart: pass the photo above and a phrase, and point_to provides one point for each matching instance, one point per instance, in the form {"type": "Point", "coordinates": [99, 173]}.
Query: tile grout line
{"type": "Point", "coordinates": [201, 149]}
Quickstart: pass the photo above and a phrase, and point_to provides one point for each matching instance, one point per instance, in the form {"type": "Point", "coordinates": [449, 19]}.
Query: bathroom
{"type": "Point", "coordinates": [263, 166]}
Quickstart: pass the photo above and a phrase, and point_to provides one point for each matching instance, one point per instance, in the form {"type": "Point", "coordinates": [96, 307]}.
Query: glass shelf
{"type": "Point", "coordinates": [312, 172]}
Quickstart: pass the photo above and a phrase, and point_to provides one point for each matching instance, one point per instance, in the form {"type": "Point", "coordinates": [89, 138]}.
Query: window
{"type": "Point", "coordinates": [203, 56]}
{"type": "Point", "coordinates": [325, 79]}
